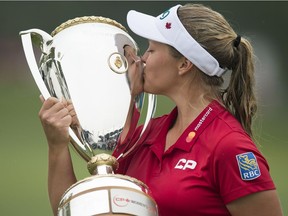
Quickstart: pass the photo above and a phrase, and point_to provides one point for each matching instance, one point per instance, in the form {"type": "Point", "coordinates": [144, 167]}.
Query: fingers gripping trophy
{"type": "Point", "coordinates": [83, 62]}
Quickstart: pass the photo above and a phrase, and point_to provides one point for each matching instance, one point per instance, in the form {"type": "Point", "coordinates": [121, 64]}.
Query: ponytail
{"type": "Point", "coordinates": [239, 97]}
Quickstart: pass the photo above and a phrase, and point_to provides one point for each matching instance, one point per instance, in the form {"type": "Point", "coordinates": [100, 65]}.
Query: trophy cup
{"type": "Point", "coordinates": [83, 62]}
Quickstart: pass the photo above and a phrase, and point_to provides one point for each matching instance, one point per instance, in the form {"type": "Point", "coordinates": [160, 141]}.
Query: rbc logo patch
{"type": "Point", "coordinates": [248, 166]}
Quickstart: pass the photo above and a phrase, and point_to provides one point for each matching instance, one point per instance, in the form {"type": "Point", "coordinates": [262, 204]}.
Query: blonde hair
{"type": "Point", "coordinates": [214, 33]}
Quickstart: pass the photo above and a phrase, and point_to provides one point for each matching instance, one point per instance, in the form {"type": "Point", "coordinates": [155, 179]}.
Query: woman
{"type": "Point", "coordinates": [199, 159]}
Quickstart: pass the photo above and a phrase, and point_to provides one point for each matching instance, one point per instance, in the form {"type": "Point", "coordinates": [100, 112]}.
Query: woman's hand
{"type": "Point", "coordinates": [135, 71]}
{"type": "Point", "coordinates": [56, 118]}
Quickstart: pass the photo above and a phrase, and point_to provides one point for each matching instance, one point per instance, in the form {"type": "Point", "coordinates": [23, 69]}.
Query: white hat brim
{"type": "Point", "coordinates": [168, 29]}
{"type": "Point", "coordinates": [145, 26]}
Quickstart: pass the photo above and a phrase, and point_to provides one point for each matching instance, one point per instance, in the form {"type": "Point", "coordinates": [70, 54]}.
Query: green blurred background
{"type": "Point", "coordinates": [23, 152]}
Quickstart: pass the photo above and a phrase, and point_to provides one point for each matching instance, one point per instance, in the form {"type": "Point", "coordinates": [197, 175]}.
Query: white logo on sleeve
{"type": "Point", "coordinates": [184, 164]}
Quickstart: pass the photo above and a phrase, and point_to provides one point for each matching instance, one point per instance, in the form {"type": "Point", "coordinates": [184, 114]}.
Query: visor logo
{"type": "Point", "coordinates": [248, 166]}
{"type": "Point", "coordinates": [164, 14]}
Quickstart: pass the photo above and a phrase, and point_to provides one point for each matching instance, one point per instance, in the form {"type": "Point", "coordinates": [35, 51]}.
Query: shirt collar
{"type": "Point", "coordinates": [193, 131]}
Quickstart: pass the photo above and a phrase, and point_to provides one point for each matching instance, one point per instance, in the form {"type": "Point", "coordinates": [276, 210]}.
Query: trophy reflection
{"type": "Point", "coordinates": [83, 62]}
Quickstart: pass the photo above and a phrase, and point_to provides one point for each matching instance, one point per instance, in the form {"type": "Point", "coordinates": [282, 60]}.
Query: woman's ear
{"type": "Point", "coordinates": [185, 66]}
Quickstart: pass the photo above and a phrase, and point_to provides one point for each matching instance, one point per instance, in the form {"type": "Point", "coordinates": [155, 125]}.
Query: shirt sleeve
{"type": "Point", "coordinates": [239, 167]}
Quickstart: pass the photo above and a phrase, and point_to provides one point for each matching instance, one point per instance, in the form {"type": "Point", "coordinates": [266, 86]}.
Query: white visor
{"type": "Point", "coordinates": [168, 29]}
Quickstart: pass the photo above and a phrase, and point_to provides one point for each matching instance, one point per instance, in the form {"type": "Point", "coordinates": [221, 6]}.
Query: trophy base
{"type": "Point", "coordinates": [110, 194]}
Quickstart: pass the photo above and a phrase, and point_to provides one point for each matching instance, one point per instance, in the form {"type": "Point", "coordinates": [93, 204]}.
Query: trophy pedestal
{"type": "Point", "coordinates": [107, 194]}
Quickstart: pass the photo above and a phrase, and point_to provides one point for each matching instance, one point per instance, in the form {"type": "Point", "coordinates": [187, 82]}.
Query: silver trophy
{"type": "Point", "coordinates": [83, 62]}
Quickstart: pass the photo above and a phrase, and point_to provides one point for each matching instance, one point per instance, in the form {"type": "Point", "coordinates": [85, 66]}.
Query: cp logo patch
{"type": "Point", "coordinates": [248, 166]}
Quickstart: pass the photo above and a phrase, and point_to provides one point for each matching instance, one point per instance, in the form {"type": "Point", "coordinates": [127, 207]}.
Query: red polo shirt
{"type": "Point", "coordinates": [211, 164]}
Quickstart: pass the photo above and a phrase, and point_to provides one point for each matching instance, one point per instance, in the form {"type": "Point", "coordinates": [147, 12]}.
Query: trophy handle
{"type": "Point", "coordinates": [43, 39]}
{"type": "Point", "coordinates": [151, 108]}
{"type": "Point", "coordinates": [152, 103]}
